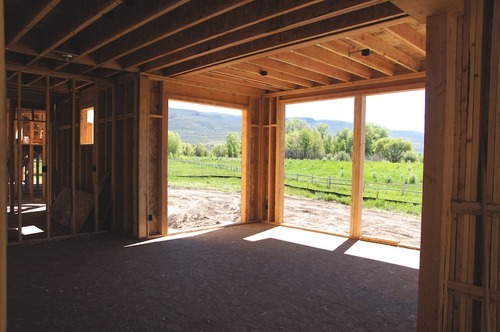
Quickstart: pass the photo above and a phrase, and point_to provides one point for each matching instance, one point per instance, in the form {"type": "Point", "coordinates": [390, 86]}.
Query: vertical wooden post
{"type": "Point", "coordinates": [437, 184]}
{"type": "Point", "coordinates": [358, 160]}
{"type": "Point", "coordinates": [142, 170]}
{"type": "Point", "coordinates": [279, 183]}
{"type": "Point", "coordinates": [3, 180]}
{"type": "Point", "coordinates": [114, 194]}
{"type": "Point", "coordinates": [73, 157]}
{"type": "Point", "coordinates": [95, 161]}
{"type": "Point", "coordinates": [246, 166]}
{"type": "Point", "coordinates": [19, 161]}
{"type": "Point", "coordinates": [163, 164]}
{"type": "Point", "coordinates": [12, 156]}
{"type": "Point", "coordinates": [47, 157]}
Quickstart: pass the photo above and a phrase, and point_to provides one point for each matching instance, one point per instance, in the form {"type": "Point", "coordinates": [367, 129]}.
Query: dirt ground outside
{"type": "Point", "coordinates": [195, 208]}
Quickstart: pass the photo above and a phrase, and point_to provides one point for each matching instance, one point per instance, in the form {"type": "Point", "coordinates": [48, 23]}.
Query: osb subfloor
{"type": "Point", "coordinates": [253, 277]}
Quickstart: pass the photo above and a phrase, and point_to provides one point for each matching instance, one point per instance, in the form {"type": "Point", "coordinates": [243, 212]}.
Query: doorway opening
{"type": "Point", "coordinates": [318, 167]}
{"type": "Point", "coordinates": [204, 165]}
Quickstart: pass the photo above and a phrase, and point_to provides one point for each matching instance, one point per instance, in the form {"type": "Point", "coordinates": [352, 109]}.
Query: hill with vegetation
{"type": "Point", "coordinates": [212, 128]}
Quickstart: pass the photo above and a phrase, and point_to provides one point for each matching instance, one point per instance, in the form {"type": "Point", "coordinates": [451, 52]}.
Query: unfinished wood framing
{"type": "Point", "coordinates": [3, 179]}
{"type": "Point", "coordinates": [439, 120]}
{"type": "Point", "coordinates": [358, 161]}
{"type": "Point", "coordinates": [258, 57]}
{"type": "Point", "coordinates": [47, 158]}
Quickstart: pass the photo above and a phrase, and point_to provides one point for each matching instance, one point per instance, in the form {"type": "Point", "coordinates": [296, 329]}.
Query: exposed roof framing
{"type": "Point", "coordinates": [252, 47]}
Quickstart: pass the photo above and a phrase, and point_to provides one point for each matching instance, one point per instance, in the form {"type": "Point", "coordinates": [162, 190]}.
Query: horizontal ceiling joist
{"type": "Point", "coordinates": [312, 33]}
{"type": "Point", "coordinates": [22, 19]}
{"type": "Point", "coordinates": [52, 73]}
{"type": "Point", "coordinates": [273, 25]}
{"type": "Point", "coordinates": [70, 20]}
{"type": "Point", "coordinates": [386, 50]}
{"type": "Point", "coordinates": [192, 13]}
{"type": "Point", "coordinates": [283, 67]}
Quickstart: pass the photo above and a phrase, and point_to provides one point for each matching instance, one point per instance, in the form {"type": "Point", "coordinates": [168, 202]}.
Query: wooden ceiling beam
{"type": "Point", "coordinates": [408, 35]}
{"type": "Point", "coordinates": [52, 73]}
{"type": "Point", "coordinates": [312, 65]}
{"type": "Point", "coordinates": [330, 58]}
{"type": "Point", "coordinates": [342, 48]}
{"type": "Point", "coordinates": [367, 17]}
{"type": "Point", "coordinates": [124, 19]}
{"type": "Point", "coordinates": [284, 67]}
{"type": "Point", "coordinates": [256, 20]}
{"type": "Point", "coordinates": [21, 20]}
{"type": "Point", "coordinates": [234, 72]}
{"type": "Point", "coordinates": [225, 85]}
{"type": "Point", "coordinates": [422, 9]}
{"type": "Point", "coordinates": [238, 80]}
{"type": "Point", "coordinates": [192, 13]}
{"type": "Point", "coordinates": [72, 19]}
{"type": "Point", "coordinates": [272, 73]}
{"type": "Point", "coordinates": [379, 46]}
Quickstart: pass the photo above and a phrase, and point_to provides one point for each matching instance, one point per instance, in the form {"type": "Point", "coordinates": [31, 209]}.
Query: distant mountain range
{"type": "Point", "coordinates": [212, 128]}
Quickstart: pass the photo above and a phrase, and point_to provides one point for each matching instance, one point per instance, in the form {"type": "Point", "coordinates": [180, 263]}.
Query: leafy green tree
{"type": "Point", "coordinates": [295, 125]}
{"type": "Point", "coordinates": [410, 156]}
{"type": "Point", "coordinates": [233, 145]}
{"type": "Point", "coordinates": [200, 150]}
{"type": "Point", "coordinates": [392, 149]}
{"type": "Point", "coordinates": [323, 129]}
{"type": "Point", "coordinates": [174, 143]}
{"type": "Point", "coordinates": [342, 141]}
{"type": "Point", "coordinates": [187, 149]}
{"type": "Point", "coordinates": [373, 133]}
{"type": "Point", "coordinates": [328, 144]}
{"type": "Point", "coordinates": [292, 147]}
{"type": "Point", "coordinates": [219, 150]}
{"type": "Point", "coordinates": [305, 142]}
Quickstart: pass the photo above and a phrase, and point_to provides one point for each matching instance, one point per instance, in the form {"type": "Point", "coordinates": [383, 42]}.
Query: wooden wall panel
{"type": "Point", "coordinates": [459, 275]}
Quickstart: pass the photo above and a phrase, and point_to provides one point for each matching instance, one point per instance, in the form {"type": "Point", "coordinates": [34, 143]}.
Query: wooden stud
{"type": "Point", "coordinates": [439, 120]}
{"type": "Point", "coordinates": [163, 164]}
{"type": "Point", "coordinates": [19, 161]}
{"type": "Point", "coordinates": [358, 158]}
{"type": "Point", "coordinates": [3, 179]}
{"type": "Point", "coordinates": [113, 152]}
{"type": "Point", "coordinates": [47, 158]}
{"type": "Point", "coordinates": [279, 183]}
{"type": "Point", "coordinates": [246, 166]}
{"type": "Point", "coordinates": [143, 132]}
{"type": "Point", "coordinates": [95, 157]}
{"type": "Point", "coordinates": [73, 157]}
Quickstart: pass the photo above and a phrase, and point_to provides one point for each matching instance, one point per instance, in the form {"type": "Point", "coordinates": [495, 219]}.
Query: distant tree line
{"type": "Point", "coordinates": [231, 148]}
{"type": "Point", "coordinates": [305, 142]}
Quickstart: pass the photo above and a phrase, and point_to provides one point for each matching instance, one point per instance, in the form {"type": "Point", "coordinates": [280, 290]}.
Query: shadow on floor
{"type": "Point", "coordinates": [231, 279]}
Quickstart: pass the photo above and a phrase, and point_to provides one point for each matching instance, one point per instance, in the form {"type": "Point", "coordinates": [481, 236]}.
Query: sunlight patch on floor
{"type": "Point", "coordinates": [172, 237]}
{"type": "Point", "coordinates": [28, 230]}
{"type": "Point", "coordinates": [384, 253]}
{"type": "Point", "coordinates": [297, 236]}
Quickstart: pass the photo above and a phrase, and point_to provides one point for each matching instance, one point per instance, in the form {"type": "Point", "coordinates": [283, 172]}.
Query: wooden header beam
{"type": "Point", "coordinates": [422, 9]}
{"type": "Point", "coordinates": [53, 73]}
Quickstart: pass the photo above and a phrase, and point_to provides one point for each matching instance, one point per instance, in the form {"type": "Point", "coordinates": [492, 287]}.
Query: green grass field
{"type": "Point", "coordinates": [388, 186]}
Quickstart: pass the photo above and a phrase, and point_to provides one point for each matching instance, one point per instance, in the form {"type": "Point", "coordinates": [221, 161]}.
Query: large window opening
{"type": "Point", "coordinates": [319, 143]}
{"type": "Point", "coordinates": [204, 165]}
{"type": "Point", "coordinates": [393, 168]}
{"type": "Point", "coordinates": [318, 167]}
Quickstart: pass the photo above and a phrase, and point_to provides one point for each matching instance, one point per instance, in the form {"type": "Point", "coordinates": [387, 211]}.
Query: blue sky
{"type": "Point", "coordinates": [399, 111]}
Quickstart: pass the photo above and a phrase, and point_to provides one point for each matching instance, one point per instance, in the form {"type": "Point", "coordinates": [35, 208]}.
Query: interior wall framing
{"type": "Point", "coordinates": [459, 276]}
{"type": "Point", "coordinates": [3, 178]}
